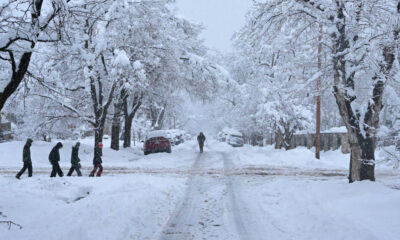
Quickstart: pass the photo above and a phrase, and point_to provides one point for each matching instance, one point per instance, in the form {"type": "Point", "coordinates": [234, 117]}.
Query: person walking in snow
{"type": "Point", "coordinates": [75, 165]}
{"type": "Point", "coordinates": [201, 139]}
{"type": "Point", "coordinates": [26, 158]}
{"type": "Point", "coordinates": [54, 158]}
{"type": "Point", "coordinates": [97, 161]}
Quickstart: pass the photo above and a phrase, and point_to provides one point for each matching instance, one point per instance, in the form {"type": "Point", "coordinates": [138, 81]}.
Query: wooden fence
{"type": "Point", "coordinates": [329, 141]}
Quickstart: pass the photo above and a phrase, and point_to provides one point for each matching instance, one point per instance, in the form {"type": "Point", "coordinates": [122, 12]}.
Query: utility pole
{"type": "Point", "coordinates": [318, 114]}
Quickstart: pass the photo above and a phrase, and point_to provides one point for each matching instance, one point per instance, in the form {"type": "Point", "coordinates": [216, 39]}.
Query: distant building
{"type": "Point", "coordinates": [6, 133]}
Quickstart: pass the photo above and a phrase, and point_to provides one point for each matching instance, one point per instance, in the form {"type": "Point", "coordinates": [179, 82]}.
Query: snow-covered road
{"type": "Point", "coordinates": [209, 209]}
{"type": "Point", "coordinates": [225, 193]}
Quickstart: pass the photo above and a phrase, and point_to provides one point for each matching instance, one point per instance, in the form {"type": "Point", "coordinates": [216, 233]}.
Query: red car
{"type": "Point", "coordinates": [156, 141]}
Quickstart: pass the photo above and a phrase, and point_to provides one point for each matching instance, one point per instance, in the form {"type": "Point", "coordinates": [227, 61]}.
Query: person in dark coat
{"type": "Point", "coordinates": [54, 158]}
{"type": "Point", "coordinates": [201, 139]}
{"type": "Point", "coordinates": [75, 165]}
{"type": "Point", "coordinates": [26, 158]}
{"type": "Point", "coordinates": [97, 161]}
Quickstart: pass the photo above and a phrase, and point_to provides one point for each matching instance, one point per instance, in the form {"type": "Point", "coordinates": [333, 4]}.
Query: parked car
{"type": "Point", "coordinates": [231, 136]}
{"type": "Point", "coordinates": [176, 136]}
{"type": "Point", "coordinates": [178, 139]}
{"type": "Point", "coordinates": [157, 141]}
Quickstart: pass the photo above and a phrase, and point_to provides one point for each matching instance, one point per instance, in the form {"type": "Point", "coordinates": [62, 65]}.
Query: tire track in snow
{"type": "Point", "coordinates": [234, 206]}
{"type": "Point", "coordinates": [205, 211]}
{"type": "Point", "coordinates": [177, 226]}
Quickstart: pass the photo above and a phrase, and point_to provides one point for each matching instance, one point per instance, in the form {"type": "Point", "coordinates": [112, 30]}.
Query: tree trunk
{"type": "Point", "coordinates": [137, 102]}
{"type": "Point", "coordinates": [115, 130]}
{"type": "Point", "coordinates": [288, 136]}
{"type": "Point", "coordinates": [362, 159]}
{"type": "Point", "coordinates": [127, 131]}
{"type": "Point", "coordinates": [157, 117]}
{"type": "Point", "coordinates": [284, 139]}
{"type": "Point", "coordinates": [278, 139]}
{"type": "Point", "coordinates": [98, 137]}
{"type": "Point", "coordinates": [116, 127]}
{"type": "Point", "coordinates": [161, 119]}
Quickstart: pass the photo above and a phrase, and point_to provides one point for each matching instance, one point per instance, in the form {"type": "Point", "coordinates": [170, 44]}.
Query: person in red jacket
{"type": "Point", "coordinates": [97, 161]}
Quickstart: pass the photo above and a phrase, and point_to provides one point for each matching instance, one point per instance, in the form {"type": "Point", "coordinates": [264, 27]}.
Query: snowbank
{"type": "Point", "coordinates": [121, 207]}
{"type": "Point", "coordinates": [295, 208]}
{"type": "Point", "coordinates": [301, 158]}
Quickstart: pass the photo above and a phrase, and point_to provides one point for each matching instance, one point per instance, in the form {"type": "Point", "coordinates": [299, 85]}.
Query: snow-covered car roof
{"type": "Point", "coordinates": [158, 133]}
{"type": "Point", "coordinates": [175, 132]}
{"type": "Point", "coordinates": [232, 131]}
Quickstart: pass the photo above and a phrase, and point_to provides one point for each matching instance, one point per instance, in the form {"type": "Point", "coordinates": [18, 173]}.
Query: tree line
{"type": "Point", "coordinates": [291, 52]}
{"type": "Point", "coordinates": [73, 63]}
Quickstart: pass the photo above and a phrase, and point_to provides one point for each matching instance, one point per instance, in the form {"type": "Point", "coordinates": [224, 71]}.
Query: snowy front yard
{"type": "Point", "coordinates": [319, 208]}
{"type": "Point", "coordinates": [111, 207]}
{"type": "Point", "coordinates": [226, 193]}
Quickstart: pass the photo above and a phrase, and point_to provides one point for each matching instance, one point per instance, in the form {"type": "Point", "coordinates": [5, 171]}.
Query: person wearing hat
{"type": "Point", "coordinates": [75, 165]}
{"type": "Point", "coordinates": [54, 158]}
{"type": "Point", "coordinates": [97, 161]}
{"type": "Point", "coordinates": [26, 158]}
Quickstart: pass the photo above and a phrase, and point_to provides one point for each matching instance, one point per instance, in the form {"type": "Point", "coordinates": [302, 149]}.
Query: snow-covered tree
{"type": "Point", "coordinates": [25, 27]}
{"type": "Point", "coordinates": [114, 58]}
{"type": "Point", "coordinates": [360, 41]}
{"type": "Point", "coordinates": [281, 70]}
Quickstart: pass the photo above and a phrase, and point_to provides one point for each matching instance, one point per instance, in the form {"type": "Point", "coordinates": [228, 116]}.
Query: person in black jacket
{"type": "Point", "coordinates": [54, 158]}
{"type": "Point", "coordinates": [75, 165]}
{"type": "Point", "coordinates": [97, 161]}
{"type": "Point", "coordinates": [26, 158]}
{"type": "Point", "coordinates": [201, 139]}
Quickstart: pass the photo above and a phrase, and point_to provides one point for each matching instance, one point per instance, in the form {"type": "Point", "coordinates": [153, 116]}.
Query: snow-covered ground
{"type": "Point", "coordinates": [122, 207]}
{"type": "Point", "coordinates": [226, 193]}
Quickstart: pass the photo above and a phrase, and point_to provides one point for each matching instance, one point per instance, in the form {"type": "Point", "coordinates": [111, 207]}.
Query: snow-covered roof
{"type": "Point", "coordinates": [158, 133]}
{"type": "Point", "coordinates": [175, 132]}
{"type": "Point", "coordinates": [342, 129]}
{"type": "Point", "coordinates": [232, 131]}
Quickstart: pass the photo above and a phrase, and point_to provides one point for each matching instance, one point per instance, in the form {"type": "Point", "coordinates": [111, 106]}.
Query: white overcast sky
{"type": "Point", "coordinates": [221, 18]}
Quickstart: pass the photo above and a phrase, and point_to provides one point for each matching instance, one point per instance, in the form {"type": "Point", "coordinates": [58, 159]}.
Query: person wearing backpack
{"type": "Point", "coordinates": [75, 161]}
{"type": "Point", "coordinates": [54, 158]}
{"type": "Point", "coordinates": [26, 158]}
{"type": "Point", "coordinates": [97, 162]}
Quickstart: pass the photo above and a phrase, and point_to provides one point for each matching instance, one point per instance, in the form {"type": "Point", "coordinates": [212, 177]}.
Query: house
{"type": "Point", "coordinates": [6, 133]}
